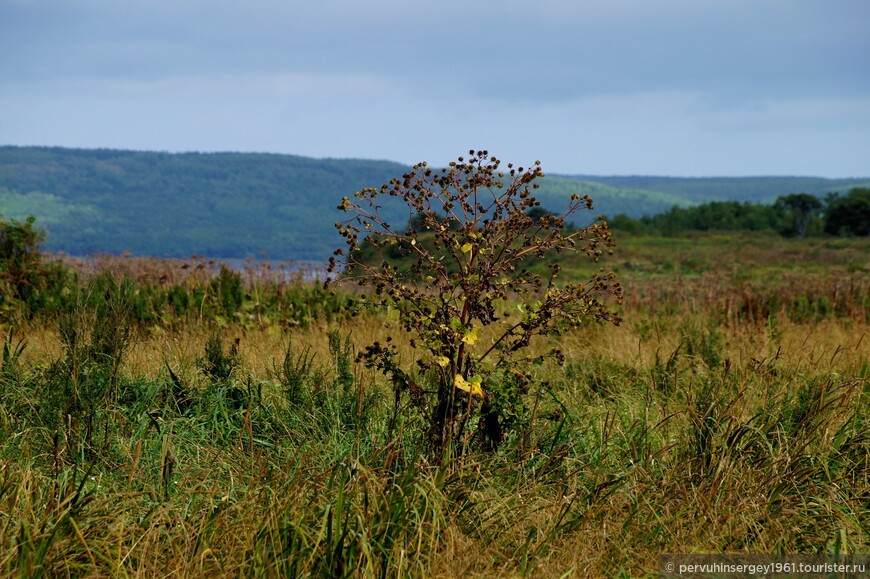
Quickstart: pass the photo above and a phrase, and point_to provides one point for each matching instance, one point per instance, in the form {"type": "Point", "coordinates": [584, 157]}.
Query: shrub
{"type": "Point", "coordinates": [27, 283]}
{"type": "Point", "coordinates": [469, 239]}
{"type": "Point", "coordinates": [19, 254]}
{"type": "Point", "coordinates": [218, 365]}
{"type": "Point", "coordinates": [77, 391]}
{"type": "Point", "coordinates": [229, 292]}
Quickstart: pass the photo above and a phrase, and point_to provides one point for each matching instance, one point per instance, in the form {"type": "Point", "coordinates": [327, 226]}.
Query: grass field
{"type": "Point", "coordinates": [729, 412]}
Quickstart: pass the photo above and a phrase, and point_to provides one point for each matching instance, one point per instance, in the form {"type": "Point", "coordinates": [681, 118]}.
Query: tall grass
{"type": "Point", "coordinates": [204, 445]}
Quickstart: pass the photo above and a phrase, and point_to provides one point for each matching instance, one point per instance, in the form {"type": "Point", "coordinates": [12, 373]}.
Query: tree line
{"type": "Point", "coordinates": [793, 215]}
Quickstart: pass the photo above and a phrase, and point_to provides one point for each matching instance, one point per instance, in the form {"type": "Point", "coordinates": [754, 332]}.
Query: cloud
{"type": "Point", "coordinates": [672, 86]}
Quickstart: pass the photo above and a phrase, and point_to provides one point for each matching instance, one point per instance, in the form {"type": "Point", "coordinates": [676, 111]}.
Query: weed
{"type": "Point", "coordinates": [217, 364]}
{"type": "Point", "coordinates": [297, 374]}
{"type": "Point", "coordinates": [473, 232]}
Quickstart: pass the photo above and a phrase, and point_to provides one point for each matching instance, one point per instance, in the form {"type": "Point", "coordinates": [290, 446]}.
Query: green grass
{"type": "Point", "coordinates": [207, 444]}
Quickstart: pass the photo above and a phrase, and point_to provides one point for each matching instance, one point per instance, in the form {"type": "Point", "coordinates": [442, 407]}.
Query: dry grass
{"type": "Point", "coordinates": [682, 430]}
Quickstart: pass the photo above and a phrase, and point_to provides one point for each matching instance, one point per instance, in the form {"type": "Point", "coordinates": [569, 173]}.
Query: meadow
{"type": "Point", "coordinates": [175, 417]}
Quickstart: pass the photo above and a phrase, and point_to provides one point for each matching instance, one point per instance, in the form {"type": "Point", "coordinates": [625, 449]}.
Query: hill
{"type": "Point", "coordinates": [706, 189]}
{"type": "Point", "coordinates": [235, 205]}
{"type": "Point", "coordinates": [220, 205]}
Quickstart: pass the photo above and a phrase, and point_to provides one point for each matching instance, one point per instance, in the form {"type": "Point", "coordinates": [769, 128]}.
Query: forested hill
{"type": "Point", "coordinates": [233, 205]}
{"type": "Point", "coordinates": [218, 205]}
{"type": "Point", "coordinates": [752, 189]}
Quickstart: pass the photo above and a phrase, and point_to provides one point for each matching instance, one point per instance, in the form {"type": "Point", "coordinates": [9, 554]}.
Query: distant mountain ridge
{"type": "Point", "coordinates": [236, 205]}
{"type": "Point", "coordinates": [763, 189]}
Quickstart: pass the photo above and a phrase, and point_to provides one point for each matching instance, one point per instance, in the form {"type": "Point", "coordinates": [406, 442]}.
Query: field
{"type": "Point", "coordinates": [187, 420]}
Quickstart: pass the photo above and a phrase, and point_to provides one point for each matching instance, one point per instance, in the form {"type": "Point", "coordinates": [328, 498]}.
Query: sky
{"type": "Point", "coordinates": [605, 87]}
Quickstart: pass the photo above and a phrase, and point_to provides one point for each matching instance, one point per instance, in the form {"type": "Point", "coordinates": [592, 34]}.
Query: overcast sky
{"type": "Point", "coordinates": [658, 87]}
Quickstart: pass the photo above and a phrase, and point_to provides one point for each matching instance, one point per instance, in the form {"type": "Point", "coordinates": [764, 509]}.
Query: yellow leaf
{"type": "Point", "coordinates": [466, 248]}
{"type": "Point", "coordinates": [472, 385]}
{"type": "Point", "coordinates": [442, 361]}
{"type": "Point", "coordinates": [470, 336]}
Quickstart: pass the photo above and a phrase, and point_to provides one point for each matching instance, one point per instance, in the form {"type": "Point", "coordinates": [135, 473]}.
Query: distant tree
{"type": "Point", "coordinates": [417, 222]}
{"type": "Point", "coordinates": [540, 215]}
{"type": "Point", "coordinates": [714, 216]}
{"type": "Point", "coordinates": [798, 210]}
{"type": "Point", "coordinates": [537, 213]}
{"type": "Point", "coordinates": [622, 222]}
{"type": "Point", "coordinates": [849, 215]}
{"type": "Point", "coordinates": [20, 256]}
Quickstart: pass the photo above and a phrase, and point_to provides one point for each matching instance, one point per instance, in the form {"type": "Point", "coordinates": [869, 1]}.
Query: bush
{"type": "Point", "coordinates": [78, 390]}
{"type": "Point", "coordinates": [27, 283]}
{"type": "Point", "coordinates": [19, 255]}
{"type": "Point", "coordinates": [471, 234]}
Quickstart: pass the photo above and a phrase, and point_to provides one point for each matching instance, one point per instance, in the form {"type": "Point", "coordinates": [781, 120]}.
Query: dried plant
{"type": "Point", "coordinates": [472, 227]}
